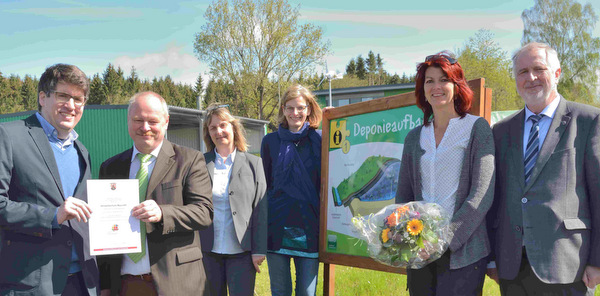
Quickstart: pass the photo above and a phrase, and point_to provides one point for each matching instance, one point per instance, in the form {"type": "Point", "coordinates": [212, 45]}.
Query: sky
{"type": "Point", "coordinates": [156, 37]}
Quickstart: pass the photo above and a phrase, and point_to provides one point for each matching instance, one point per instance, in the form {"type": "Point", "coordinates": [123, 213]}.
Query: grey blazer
{"type": "Point", "coordinates": [557, 215]}
{"type": "Point", "coordinates": [469, 239]}
{"type": "Point", "coordinates": [247, 187]}
{"type": "Point", "coordinates": [34, 257]}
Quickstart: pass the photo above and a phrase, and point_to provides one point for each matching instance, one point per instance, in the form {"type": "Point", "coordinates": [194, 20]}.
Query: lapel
{"type": "Point", "coordinates": [36, 132]}
{"type": "Point", "coordinates": [83, 153]}
{"type": "Point", "coordinates": [209, 157]}
{"type": "Point", "coordinates": [123, 164]}
{"type": "Point", "coordinates": [515, 146]}
{"type": "Point", "coordinates": [557, 129]}
{"type": "Point", "coordinates": [164, 162]}
{"type": "Point", "coordinates": [240, 159]}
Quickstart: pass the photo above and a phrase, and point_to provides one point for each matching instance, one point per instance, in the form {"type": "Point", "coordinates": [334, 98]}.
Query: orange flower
{"type": "Point", "coordinates": [402, 210]}
{"type": "Point", "coordinates": [393, 219]}
{"type": "Point", "coordinates": [414, 226]}
{"type": "Point", "coordinates": [384, 235]}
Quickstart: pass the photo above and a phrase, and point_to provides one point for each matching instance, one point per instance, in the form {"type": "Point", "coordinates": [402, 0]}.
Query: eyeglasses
{"type": "Point", "coordinates": [448, 58]}
{"type": "Point", "coordinates": [64, 98]}
{"type": "Point", "coordinates": [299, 109]}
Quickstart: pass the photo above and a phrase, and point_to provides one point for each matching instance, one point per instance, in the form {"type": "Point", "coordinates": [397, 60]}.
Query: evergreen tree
{"type": "Point", "coordinates": [29, 93]}
{"type": "Point", "coordinates": [133, 84]}
{"type": "Point", "coordinates": [97, 91]}
{"type": "Point", "coordinates": [361, 70]}
{"type": "Point", "coordinates": [394, 79]}
{"type": "Point", "coordinates": [198, 91]}
{"type": "Point", "coordinates": [114, 83]}
{"type": "Point", "coordinates": [371, 67]}
{"type": "Point", "coordinates": [380, 71]}
{"type": "Point", "coordinates": [351, 68]}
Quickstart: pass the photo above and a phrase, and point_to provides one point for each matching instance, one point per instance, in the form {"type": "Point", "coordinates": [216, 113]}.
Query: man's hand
{"type": "Point", "coordinates": [493, 274]}
{"type": "Point", "coordinates": [73, 208]}
{"type": "Point", "coordinates": [591, 276]}
{"type": "Point", "coordinates": [105, 292]}
{"type": "Point", "coordinates": [257, 260]}
{"type": "Point", "coordinates": [147, 211]}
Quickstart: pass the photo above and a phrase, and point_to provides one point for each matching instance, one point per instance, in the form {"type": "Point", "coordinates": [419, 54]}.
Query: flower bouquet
{"type": "Point", "coordinates": [406, 235]}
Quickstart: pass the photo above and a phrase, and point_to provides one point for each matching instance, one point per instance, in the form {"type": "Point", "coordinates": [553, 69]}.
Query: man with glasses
{"type": "Point", "coordinates": [43, 209]}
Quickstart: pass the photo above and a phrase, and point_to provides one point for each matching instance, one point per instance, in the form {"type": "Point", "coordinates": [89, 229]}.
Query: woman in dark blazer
{"type": "Point", "coordinates": [236, 243]}
{"type": "Point", "coordinates": [449, 160]}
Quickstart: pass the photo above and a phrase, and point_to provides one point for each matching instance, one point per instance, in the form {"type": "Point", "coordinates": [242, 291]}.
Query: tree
{"type": "Point", "coordinates": [351, 68]}
{"type": "Point", "coordinates": [380, 70]}
{"type": "Point", "coordinates": [361, 70]}
{"type": "Point", "coordinates": [247, 42]}
{"type": "Point", "coordinates": [133, 84]}
{"type": "Point", "coordinates": [198, 90]}
{"type": "Point", "coordinates": [568, 27]}
{"type": "Point", "coordinates": [29, 93]}
{"type": "Point", "coordinates": [97, 91]}
{"type": "Point", "coordinates": [114, 83]}
{"type": "Point", "coordinates": [371, 67]}
{"type": "Point", "coordinates": [10, 95]}
{"type": "Point", "coordinates": [482, 57]}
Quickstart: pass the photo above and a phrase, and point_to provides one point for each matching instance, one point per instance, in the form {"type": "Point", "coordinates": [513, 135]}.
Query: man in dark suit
{"type": "Point", "coordinates": [545, 222]}
{"type": "Point", "coordinates": [177, 203]}
{"type": "Point", "coordinates": [43, 194]}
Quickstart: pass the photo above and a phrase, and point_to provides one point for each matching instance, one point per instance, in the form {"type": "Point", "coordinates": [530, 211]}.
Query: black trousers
{"type": "Point", "coordinates": [438, 279]}
{"type": "Point", "coordinates": [75, 285]}
{"type": "Point", "coordinates": [527, 283]}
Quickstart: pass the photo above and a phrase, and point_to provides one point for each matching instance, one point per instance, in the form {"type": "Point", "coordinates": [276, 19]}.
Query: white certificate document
{"type": "Point", "coordinates": [113, 230]}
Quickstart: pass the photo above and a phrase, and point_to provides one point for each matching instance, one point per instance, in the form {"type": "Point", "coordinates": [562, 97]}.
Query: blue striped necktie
{"type": "Point", "coordinates": [142, 176]}
{"type": "Point", "coordinates": [533, 146]}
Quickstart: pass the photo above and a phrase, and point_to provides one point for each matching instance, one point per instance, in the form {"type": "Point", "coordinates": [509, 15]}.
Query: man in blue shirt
{"type": "Point", "coordinates": [43, 194]}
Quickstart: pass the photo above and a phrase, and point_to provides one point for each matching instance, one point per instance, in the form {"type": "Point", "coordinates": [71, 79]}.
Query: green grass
{"type": "Point", "coordinates": [356, 281]}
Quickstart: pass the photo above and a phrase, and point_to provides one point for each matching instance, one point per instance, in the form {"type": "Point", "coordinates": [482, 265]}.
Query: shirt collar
{"type": "Point", "coordinates": [153, 153]}
{"type": "Point", "coordinates": [52, 133]}
{"type": "Point", "coordinates": [230, 158]}
{"type": "Point", "coordinates": [549, 111]}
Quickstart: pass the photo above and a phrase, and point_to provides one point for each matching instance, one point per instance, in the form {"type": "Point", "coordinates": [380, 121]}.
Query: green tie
{"type": "Point", "coordinates": [142, 176]}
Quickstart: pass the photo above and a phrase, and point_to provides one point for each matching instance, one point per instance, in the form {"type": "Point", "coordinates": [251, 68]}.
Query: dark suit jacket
{"type": "Point", "coordinates": [557, 215]}
{"type": "Point", "coordinates": [247, 187]}
{"type": "Point", "coordinates": [181, 187]}
{"type": "Point", "coordinates": [35, 258]}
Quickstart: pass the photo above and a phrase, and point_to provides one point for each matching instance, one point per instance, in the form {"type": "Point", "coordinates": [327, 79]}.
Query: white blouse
{"type": "Point", "coordinates": [440, 167]}
{"type": "Point", "coordinates": [225, 239]}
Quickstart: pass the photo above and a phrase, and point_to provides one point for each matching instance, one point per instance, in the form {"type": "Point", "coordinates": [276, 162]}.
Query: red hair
{"type": "Point", "coordinates": [463, 95]}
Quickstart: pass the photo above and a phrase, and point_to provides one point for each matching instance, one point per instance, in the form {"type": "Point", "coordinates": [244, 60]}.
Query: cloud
{"type": "Point", "coordinates": [174, 61]}
{"type": "Point", "coordinates": [423, 20]}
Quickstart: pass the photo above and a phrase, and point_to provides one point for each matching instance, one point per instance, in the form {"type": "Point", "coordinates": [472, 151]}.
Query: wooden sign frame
{"type": "Point", "coordinates": [481, 106]}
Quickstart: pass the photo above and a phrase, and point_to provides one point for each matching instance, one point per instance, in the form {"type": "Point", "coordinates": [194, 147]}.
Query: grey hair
{"type": "Point", "coordinates": [551, 55]}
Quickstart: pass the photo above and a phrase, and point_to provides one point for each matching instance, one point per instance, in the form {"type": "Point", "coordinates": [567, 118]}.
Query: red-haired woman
{"type": "Point", "coordinates": [449, 160]}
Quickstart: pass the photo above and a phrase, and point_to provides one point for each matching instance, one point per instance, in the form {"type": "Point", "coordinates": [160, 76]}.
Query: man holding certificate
{"type": "Point", "coordinates": [43, 202]}
{"type": "Point", "coordinates": [175, 202]}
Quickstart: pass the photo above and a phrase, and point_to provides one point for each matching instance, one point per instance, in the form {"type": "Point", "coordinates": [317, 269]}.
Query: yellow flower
{"type": "Point", "coordinates": [384, 235]}
{"type": "Point", "coordinates": [414, 226]}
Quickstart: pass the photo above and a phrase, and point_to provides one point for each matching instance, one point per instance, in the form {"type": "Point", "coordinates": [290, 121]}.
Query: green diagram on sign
{"type": "Point", "coordinates": [365, 153]}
